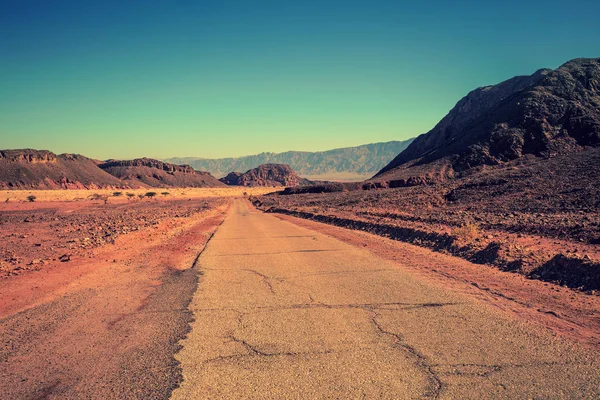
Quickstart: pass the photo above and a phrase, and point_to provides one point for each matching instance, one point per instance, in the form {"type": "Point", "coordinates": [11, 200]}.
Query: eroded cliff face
{"type": "Point", "coordinates": [155, 173]}
{"type": "Point", "coordinates": [545, 114]}
{"type": "Point", "coordinates": [149, 162]}
{"type": "Point", "coordinates": [28, 156]}
{"type": "Point", "coordinates": [42, 169]}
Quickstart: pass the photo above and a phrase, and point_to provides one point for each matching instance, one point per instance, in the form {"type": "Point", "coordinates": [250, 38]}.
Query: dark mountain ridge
{"type": "Point", "coordinates": [545, 114]}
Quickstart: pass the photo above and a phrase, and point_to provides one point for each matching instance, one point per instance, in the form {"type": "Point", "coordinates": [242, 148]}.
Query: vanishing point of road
{"type": "Point", "coordinates": [282, 311]}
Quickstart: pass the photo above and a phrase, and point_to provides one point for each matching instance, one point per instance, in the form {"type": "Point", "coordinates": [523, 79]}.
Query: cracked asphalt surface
{"type": "Point", "coordinates": [282, 311]}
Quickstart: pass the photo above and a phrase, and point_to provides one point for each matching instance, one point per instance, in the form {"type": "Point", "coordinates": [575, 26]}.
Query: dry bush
{"type": "Point", "coordinates": [99, 196]}
{"type": "Point", "coordinates": [467, 232]}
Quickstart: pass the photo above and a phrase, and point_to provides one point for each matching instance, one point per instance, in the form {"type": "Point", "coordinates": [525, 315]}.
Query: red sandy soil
{"type": "Point", "coordinates": [104, 324]}
{"type": "Point", "coordinates": [37, 234]}
{"type": "Point", "coordinates": [564, 311]}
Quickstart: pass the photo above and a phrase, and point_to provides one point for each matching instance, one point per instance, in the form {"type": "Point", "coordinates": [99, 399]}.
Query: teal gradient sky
{"type": "Point", "coordinates": [127, 79]}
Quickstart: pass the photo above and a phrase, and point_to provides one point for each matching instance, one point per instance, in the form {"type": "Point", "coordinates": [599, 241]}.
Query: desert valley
{"type": "Point", "coordinates": [466, 266]}
{"type": "Point", "coordinates": [299, 200]}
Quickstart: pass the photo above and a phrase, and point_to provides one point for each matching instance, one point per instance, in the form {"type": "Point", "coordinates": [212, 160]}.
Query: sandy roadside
{"type": "Point", "coordinates": [106, 326]}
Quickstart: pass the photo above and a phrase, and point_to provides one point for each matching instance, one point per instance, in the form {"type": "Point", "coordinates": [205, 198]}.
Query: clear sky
{"type": "Point", "coordinates": [125, 79]}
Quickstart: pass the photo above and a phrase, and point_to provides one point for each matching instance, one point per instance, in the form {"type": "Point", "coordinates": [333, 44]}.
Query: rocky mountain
{"type": "Point", "coordinates": [154, 173]}
{"type": "Point", "coordinates": [266, 175]}
{"type": "Point", "coordinates": [42, 169]}
{"type": "Point", "coordinates": [548, 113]}
{"type": "Point", "coordinates": [350, 163]}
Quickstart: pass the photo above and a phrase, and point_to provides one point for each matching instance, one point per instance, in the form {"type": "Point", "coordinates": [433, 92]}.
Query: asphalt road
{"type": "Point", "coordinates": [285, 312]}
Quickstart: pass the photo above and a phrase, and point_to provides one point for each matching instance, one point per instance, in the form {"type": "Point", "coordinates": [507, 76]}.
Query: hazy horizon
{"type": "Point", "coordinates": [224, 79]}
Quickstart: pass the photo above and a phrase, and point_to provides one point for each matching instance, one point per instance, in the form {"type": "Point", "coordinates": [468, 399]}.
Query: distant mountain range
{"type": "Point", "coordinates": [549, 113]}
{"type": "Point", "coordinates": [349, 163]}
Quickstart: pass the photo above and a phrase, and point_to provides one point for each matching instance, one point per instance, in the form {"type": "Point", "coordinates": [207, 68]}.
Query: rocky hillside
{"type": "Point", "coordinates": [42, 169]}
{"type": "Point", "coordinates": [548, 113]}
{"type": "Point", "coordinates": [266, 175]}
{"type": "Point", "coordinates": [154, 173]}
{"type": "Point", "coordinates": [350, 163]}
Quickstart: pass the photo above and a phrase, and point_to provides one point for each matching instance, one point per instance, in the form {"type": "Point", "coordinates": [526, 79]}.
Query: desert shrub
{"type": "Point", "coordinates": [98, 196]}
{"type": "Point", "coordinates": [150, 194]}
{"type": "Point", "coordinates": [129, 195]}
{"type": "Point", "coordinates": [165, 193]}
{"type": "Point", "coordinates": [468, 231]}
{"type": "Point", "coordinates": [141, 196]}
{"type": "Point", "coordinates": [117, 194]}
{"type": "Point", "coordinates": [31, 198]}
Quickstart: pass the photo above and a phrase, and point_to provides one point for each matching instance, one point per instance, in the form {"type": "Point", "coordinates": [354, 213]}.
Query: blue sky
{"type": "Point", "coordinates": [223, 78]}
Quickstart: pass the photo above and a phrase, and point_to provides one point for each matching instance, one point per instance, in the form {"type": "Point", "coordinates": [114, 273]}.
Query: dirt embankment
{"type": "Point", "coordinates": [535, 217]}
{"type": "Point", "coordinates": [535, 257]}
{"type": "Point", "coordinates": [565, 311]}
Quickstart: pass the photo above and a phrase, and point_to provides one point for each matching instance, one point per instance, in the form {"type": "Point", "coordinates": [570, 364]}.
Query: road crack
{"type": "Point", "coordinates": [435, 382]}
{"type": "Point", "coordinates": [264, 277]}
{"type": "Point", "coordinates": [315, 304]}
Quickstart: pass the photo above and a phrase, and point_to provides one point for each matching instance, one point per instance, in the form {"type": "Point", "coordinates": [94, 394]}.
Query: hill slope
{"type": "Point", "coordinates": [545, 114]}
{"type": "Point", "coordinates": [266, 175]}
{"type": "Point", "coordinates": [154, 173]}
{"type": "Point", "coordinates": [352, 163]}
{"type": "Point", "coordinates": [42, 169]}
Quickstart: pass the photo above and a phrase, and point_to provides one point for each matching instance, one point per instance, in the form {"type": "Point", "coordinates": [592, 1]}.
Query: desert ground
{"type": "Point", "coordinates": [19, 196]}
{"type": "Point", "coordinates": [199, 294]}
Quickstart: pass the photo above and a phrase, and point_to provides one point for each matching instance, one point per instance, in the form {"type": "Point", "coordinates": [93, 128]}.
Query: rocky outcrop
{"type": "Point", "coordinates": [545, 114]}
{"type": "Point", "coordinates": [232, 179]}
{"type": "Point", "coordinates": [155, 173]}
{"type": "Point", "coordinates": [266, 175]}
